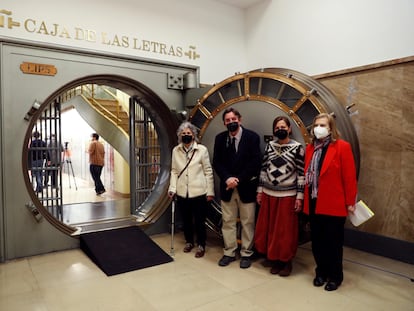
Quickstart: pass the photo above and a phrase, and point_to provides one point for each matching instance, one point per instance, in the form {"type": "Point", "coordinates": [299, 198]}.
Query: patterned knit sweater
{"type": "Point", "coordinates": [282, 169]}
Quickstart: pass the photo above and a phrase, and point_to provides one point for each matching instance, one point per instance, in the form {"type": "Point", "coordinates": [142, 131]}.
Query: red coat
{"type": "Point", "coordinates": [337, 180]}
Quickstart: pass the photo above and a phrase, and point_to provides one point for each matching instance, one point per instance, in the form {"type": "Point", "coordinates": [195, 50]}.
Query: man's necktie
{"type": "Point", "coordinates": [233, 145]}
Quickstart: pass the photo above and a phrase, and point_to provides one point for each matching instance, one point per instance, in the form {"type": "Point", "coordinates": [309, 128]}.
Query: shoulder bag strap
{"type": "Point", "coordinates": [182, 171]}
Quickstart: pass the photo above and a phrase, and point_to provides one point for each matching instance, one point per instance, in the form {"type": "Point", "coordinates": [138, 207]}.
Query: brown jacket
{"type": "Point", "coordinates": [96, 153]}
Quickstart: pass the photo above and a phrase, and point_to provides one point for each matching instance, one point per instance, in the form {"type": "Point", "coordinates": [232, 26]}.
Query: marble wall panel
{"type": "Point", "coordinates": [383, 117]}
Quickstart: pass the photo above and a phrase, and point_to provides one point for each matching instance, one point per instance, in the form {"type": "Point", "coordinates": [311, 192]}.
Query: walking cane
{"type": "Point", "coordinates": [172, 224]}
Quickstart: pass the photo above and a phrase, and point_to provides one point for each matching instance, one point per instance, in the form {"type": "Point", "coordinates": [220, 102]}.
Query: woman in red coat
{"type": "Point", "coordinates": [330, 193]}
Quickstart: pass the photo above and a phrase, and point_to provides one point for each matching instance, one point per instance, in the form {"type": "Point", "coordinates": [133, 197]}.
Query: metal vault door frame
{"type": "Point", "coordinates": [165, 124]}
{"type": "Point", "coordinates": [151, 141]}
{"type": "Point", "coordinates": [48, 127]}
{"type": "Point", "coordinates": [297, 95]}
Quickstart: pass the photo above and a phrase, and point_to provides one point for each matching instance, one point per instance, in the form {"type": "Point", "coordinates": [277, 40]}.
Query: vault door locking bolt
{"type": "Point", "coordinates": [34, 211]}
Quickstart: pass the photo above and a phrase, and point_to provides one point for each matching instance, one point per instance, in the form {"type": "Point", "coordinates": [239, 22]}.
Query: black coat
{"type": "Point", "coordinates": [245, 165]}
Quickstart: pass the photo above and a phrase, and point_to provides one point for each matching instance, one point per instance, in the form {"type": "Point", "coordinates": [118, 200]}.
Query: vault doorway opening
{"type": "Point", "coordinates": [137, 155]}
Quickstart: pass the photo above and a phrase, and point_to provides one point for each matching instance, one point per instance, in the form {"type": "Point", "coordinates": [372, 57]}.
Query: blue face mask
{"type": "Point", "coordinates": [233, 126]}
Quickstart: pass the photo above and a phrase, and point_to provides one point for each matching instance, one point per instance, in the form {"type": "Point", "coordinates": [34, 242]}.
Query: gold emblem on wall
{"type": "Point", "coordinates": [38, 69]}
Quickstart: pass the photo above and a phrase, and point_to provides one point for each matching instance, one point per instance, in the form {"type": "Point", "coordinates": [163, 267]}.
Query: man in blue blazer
{"type": "Point", "coordinates": [237, 160]}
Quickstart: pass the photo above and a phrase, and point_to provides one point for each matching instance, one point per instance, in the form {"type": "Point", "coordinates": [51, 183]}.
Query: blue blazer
{"type": "Point", "coordinates": [245, 165]}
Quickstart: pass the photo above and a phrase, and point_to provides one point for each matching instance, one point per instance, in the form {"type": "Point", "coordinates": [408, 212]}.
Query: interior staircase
{"type": "Point", "coordinates": [112, 110]}
{"type": "Point", "coordinates": [104, 101]}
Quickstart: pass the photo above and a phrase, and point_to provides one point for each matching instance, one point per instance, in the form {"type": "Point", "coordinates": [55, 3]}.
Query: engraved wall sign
{"type": "Point", "coordinates": [38, 69]}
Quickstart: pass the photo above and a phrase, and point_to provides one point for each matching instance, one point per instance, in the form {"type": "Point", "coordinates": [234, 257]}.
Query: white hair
{"type": "Point", "coordinates": [191, 127]}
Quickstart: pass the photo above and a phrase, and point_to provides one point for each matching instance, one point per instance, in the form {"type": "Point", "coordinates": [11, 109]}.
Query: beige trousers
{"type": "Point", "coordinates": [231, 211]}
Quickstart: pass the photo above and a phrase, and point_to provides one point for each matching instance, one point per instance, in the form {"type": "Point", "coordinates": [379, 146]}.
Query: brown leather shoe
{"type": "Point", "coordinates": [276, 267]}
{"type": "Point", "coordinates": [200, 252]}
{"type": "Point", "coordinates": [286, 270]}
{"type": "Point", "coordinates": [188, 247]}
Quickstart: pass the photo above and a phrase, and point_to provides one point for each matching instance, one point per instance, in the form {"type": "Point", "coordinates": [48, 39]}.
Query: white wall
{"type": "Point", "coordinates": [215, 29]}
{"type": "Point", "coordinates": [319, 36]}
{"type": "Point", "coordinates": [311, 36]}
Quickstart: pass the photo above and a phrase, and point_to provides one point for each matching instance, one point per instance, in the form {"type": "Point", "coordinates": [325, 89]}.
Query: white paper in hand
{"type": "Point", "coordinates": [361, 214]}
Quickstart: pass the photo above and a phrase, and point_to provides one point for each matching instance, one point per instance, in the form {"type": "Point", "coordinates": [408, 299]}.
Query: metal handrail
{"type": "Point", "coordinates": [88, 93]}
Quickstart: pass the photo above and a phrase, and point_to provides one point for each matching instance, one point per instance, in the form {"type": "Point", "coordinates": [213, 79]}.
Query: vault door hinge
{"type": "Point", "coordinates": [175, 81]}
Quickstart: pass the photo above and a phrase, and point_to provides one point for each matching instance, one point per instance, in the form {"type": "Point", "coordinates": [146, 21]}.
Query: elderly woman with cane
{"type": "Point", "coordinates": [192, 183]}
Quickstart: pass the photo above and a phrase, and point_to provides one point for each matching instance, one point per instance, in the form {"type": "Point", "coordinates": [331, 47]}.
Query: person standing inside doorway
{"type": "Point", "coordinates": [38, 155]}
{"type": "Point", "coordinates": [237, 159]}
{"type": "Point", "coordinates": [55, 154]}
{"type": "Point", "coordinates": [96, 152]}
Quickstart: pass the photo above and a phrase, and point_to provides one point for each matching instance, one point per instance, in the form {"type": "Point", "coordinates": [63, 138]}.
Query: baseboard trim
{"type": "Point", "coordinates": [380, 245]}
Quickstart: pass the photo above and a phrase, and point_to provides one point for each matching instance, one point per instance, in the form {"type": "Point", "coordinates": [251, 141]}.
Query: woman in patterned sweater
{"type": "Point", "coordinates": [280, 194]}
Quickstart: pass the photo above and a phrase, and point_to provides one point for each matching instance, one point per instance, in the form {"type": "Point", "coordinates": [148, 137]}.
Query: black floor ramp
{"type": "Point", "coordinates": [122, 250]}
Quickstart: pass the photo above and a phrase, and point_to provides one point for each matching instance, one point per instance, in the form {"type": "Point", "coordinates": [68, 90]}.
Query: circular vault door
{"type": "Point", "coordinates": [260, 96]}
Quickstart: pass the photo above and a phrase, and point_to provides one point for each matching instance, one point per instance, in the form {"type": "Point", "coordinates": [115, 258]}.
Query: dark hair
{"type": "Point", "coordinates": [280, 118]}
{"type": "Point", "coordinates": [96, 136]}
{"type": "Point", "coordinates": [36, 134]}
{"type": "Point", "coordinates": [228, 110]}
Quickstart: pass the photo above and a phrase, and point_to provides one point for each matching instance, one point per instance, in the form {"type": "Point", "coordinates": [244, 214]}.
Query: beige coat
{"type": "Point", "coordinates": [197, 179]}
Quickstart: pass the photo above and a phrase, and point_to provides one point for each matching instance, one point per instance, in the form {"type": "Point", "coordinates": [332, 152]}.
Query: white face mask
{"type": "Point", "coordinates": [320, 132]}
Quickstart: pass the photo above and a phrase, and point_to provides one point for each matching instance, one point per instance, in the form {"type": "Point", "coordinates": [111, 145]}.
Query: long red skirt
{"type": "Point", "coordinates": [276, 233]}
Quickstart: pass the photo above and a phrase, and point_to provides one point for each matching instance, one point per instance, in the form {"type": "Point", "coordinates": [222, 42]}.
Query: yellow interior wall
{"type": "Point", "coordinates": [121, 174]}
